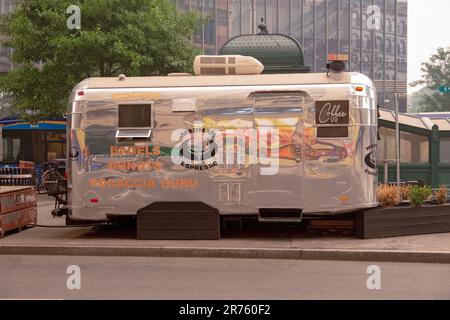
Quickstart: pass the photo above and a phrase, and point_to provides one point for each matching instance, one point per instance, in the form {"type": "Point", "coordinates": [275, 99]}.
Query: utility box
{"type": "Point", "coordinates": [178, 221]}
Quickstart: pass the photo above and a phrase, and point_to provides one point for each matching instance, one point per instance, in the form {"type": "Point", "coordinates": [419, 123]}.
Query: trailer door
{"type": "Point", "coordinates": [278, 122]}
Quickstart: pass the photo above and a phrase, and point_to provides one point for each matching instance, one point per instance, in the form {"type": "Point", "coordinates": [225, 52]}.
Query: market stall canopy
{"type": "Point", "coordinates": [12, 123]}
{"type": "Point", "coordinates": [421, 121]}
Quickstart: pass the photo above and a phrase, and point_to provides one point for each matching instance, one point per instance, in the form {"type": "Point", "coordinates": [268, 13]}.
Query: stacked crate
{"type": "Point", "coordinates": [18, 208]}
{"type": "Point", "coordinates": [21, 175]}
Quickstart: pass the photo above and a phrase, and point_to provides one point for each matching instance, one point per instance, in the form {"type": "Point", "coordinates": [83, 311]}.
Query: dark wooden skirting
{"type": "Point", "coordinates": [178, 221]}
{"type": "Point", "coordinates": [402, 221]}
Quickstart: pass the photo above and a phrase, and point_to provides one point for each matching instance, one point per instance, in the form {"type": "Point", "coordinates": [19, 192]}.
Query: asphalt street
{"type": "Point", "coordinates": [46, 277]}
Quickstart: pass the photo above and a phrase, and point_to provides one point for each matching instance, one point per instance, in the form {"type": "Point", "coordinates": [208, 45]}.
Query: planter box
{"type": "Point", "coordinates": [402, 221]}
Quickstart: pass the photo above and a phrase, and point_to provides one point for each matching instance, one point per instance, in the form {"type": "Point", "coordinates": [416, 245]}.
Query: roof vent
{"type": "Point", "coordinates": [226, 65]}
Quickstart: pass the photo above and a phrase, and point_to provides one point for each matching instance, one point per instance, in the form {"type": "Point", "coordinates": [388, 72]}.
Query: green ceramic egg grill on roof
{"type": "Point", "coordinates": [278, 53]}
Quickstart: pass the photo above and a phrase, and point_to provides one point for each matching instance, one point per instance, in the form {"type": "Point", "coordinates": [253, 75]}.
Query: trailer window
{"type": "Point", "coordinates": [135, 121]}
{"type": "Point", "coordinates": [135, 116]}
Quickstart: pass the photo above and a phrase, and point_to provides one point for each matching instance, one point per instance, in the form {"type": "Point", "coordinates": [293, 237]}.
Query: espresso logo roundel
{"type": "Point", "coordinates": [369, 161]}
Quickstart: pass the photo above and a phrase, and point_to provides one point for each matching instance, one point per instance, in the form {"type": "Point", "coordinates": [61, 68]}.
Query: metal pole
{"type": "Point", "coordinates": [386, 171]}
{"type": "Point", "coordinates": [397, 140]}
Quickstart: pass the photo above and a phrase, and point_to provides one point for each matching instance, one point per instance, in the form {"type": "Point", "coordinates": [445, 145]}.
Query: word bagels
{"type": "Point", "coordinates": [129, 151]}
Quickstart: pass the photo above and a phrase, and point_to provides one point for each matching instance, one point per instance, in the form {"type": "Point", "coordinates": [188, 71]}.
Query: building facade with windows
{"type": "Point", "coordinates": [6, 7]}
{"type": "Point", "coordinates": [373, 33]}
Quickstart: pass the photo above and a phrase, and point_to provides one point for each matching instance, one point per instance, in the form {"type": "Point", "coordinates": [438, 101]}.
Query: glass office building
{"type": "Point", "coordinates": [6, 7]}
{"type": "Point", "coordinates": [373, 33]}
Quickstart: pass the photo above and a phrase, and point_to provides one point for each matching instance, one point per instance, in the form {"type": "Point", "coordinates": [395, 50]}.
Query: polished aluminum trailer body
{"type": "Point", "coordinates": [323, 169]}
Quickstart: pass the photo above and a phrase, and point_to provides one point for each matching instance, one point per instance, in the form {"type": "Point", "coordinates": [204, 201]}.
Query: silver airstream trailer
{"type": "Point", "coordinates": [278, 146]}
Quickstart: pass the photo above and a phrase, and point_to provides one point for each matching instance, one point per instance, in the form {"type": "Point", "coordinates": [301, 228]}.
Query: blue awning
{"type": "Point", "coordinates": [38, 126]}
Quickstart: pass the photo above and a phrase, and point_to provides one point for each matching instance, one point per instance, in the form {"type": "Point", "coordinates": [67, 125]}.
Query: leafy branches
{"type": "Point", "coordinates": [436, 73]}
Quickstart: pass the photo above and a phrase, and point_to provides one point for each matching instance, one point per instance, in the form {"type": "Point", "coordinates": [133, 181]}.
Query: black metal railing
{"type": "Point", "coordinates": [12, 176]}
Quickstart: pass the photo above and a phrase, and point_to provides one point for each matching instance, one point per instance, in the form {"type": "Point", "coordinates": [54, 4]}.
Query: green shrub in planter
{"type": "Point", "coordinates": [418, 195]}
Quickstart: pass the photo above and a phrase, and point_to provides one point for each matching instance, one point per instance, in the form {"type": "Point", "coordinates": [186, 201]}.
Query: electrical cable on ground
{"type": "Point", "coordinates": [74, 226]}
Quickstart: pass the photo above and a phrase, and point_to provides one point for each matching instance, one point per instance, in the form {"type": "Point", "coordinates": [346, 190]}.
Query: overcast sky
{"type": "Point", "coordinates": [428, 29]}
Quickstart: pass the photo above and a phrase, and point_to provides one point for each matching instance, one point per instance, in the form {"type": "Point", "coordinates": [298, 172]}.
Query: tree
{"type": "Point", "coordinates": [435, 73]}
{"type": "Point", "coordinates": [414, 99]}
{"type": "Point", "coordinates": [133, 37]}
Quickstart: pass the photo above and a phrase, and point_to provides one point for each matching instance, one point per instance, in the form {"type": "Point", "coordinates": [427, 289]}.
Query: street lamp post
{"type": "Point", "coordinates": [397, 141]}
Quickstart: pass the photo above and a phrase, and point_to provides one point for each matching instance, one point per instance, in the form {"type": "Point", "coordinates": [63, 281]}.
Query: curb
{"type": "Point", "coordinates": [243, 253]}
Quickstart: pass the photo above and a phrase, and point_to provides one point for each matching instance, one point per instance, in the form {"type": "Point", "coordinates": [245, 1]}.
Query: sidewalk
{"type": "Point", "coordinates": [279, 243]}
